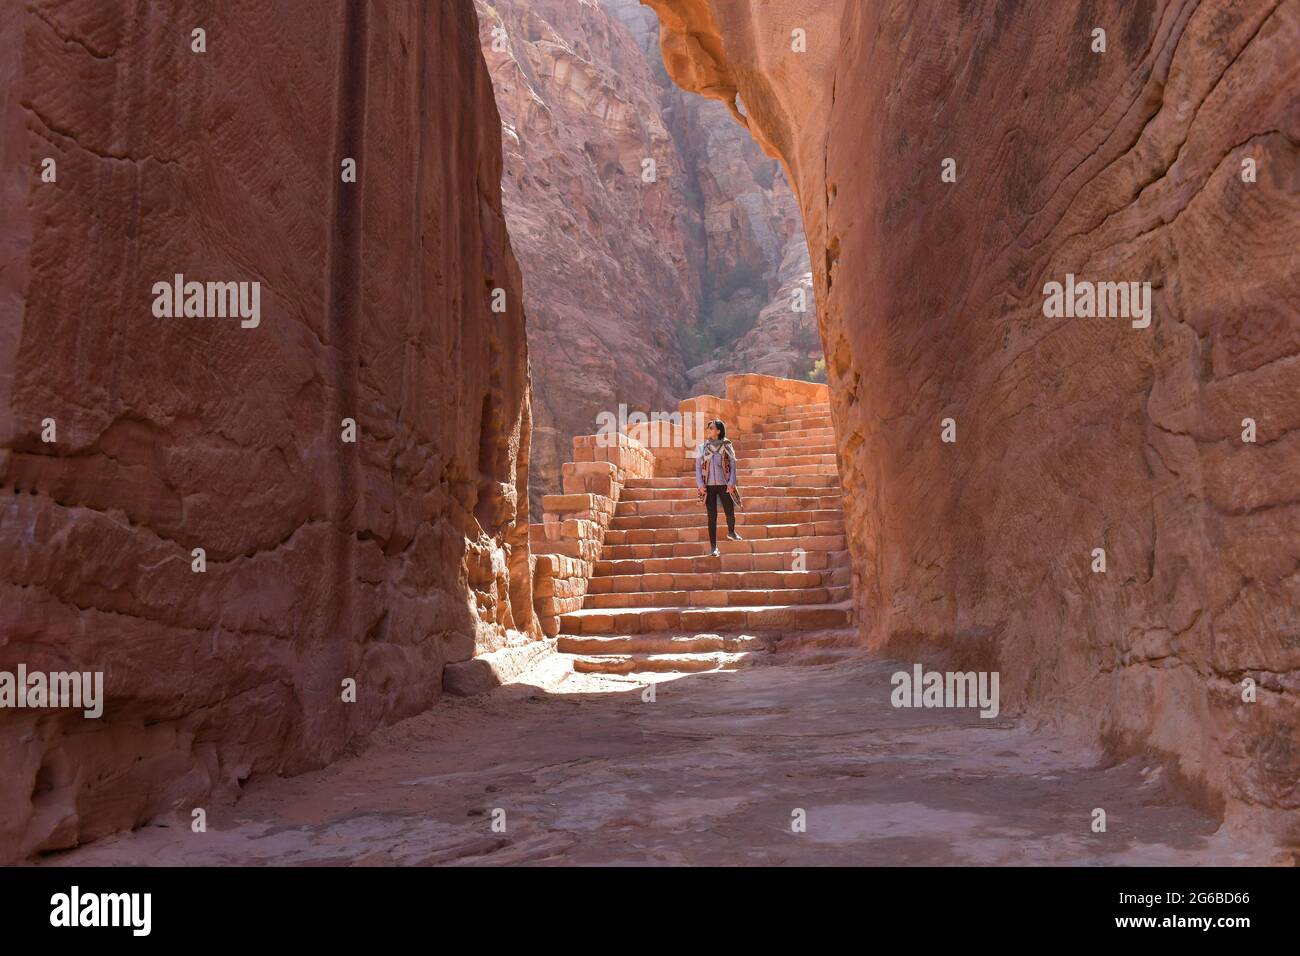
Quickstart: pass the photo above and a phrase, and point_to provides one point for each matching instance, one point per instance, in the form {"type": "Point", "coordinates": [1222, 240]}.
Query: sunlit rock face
{"type": "Point", "coordinates": [324, 561]}
{"type": "Point", "coordinates": [629, 281]}
{"type": "Point", "coordinates": [1167, 159]}
{"type": "Point", "coordinates": [611, 259]}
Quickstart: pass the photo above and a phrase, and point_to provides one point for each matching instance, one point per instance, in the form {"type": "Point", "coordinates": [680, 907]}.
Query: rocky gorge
{"type": "Point", "coordinates": [660, 248]}
{"type": "Point", "coordinates": [286, 541]}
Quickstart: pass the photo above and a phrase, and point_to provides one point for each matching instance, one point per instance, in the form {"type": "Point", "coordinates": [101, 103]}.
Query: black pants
{"type": "Point", "coordinates": [714, 494]}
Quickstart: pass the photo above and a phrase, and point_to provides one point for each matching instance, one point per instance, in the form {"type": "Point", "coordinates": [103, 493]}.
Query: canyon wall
{"type": "Point", "coordinates": [628, 282]}
{"type": "Point", "coordinates": [130, 440]}
{"type": "Point", "coordinates": [1072, 434]}
{"type": "Point", "coordinates": [783, 341]}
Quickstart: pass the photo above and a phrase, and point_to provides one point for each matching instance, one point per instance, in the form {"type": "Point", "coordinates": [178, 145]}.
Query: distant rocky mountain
{"type": "Point", "coordinates": [637, 292]}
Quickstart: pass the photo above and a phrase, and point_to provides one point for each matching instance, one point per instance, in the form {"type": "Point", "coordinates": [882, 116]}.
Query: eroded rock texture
{"type": "Point", "coordinates": [611, 275]}
{"type": "Point", "coordinates": [755, 251]}
{"type": "Point", "coordinates": [1072, 433]}
{"type": "Point", "coordinates": [627, 281]}
{"type": "Point", "coordinates": [783, 342]}
{"type": "Point", "coordinates": [379, 560]}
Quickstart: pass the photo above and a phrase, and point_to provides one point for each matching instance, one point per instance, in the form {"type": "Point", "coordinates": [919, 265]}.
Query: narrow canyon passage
{"type": "Point", "coordinates": [712, 771]}
{"type": "Point", "coordinates": [696, 709]}
{"type": "Point", "coordinates": [346, 592]}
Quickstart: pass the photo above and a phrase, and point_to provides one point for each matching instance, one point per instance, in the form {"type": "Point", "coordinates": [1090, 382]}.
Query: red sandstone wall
{"type": "Point", "coordinates": [1072, 434]}
{"type": "Point", "coordinates": [380, 560]}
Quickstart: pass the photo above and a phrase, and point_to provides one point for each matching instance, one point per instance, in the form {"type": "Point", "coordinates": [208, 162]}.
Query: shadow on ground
{"type": "Point", "coordinates": [714, 770]}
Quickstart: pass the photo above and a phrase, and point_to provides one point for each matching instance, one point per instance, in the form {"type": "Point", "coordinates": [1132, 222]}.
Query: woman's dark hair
{"type": "Point", "coordinates": [722, 428]}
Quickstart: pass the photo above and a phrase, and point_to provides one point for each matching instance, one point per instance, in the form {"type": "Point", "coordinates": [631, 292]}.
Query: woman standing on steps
{"type": "Point", "coordinates": [715, 476]}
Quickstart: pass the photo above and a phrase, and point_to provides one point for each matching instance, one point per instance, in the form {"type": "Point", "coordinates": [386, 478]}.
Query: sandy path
{"type": "Point", "coordinates": [710, 772]}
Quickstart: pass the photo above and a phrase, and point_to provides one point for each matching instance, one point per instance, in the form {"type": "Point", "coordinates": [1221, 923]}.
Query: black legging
{"type": "Point", "coordinates": [716, 493]}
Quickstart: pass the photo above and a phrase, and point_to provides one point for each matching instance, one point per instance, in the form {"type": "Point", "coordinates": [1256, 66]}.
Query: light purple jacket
{"type": "Point", "coordinates": [714, 474]}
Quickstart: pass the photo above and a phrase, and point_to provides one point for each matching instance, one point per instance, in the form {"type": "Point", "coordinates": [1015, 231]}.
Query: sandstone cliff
{"type": "Point", "coordinates": [783, 341]}
{"type": "Point", "coordinates": [376, 561]}
{"type": "Point", "coordinates": [1071, 434]}
{"type": "Point", "coordinates": [611, 260]}
{"type": "Point", "coordinates": [755, 252]}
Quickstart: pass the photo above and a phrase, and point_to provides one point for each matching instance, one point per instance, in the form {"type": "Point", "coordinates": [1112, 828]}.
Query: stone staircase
{"type": "Point", "coordinates": [656, 600]}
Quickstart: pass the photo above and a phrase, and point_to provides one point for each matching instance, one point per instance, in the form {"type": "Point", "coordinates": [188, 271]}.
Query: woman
{"type": "Point", "coordinates": [715, 475]}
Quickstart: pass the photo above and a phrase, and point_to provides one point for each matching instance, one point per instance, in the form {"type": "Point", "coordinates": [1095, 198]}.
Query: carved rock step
{"type": "Point", "coordinates": [668, 642]}
{"type": "Point", "coordinates": [658, 663]}
{"type": "Point", "coordinates": [689, 652]}
{"type": "Point", "coordinates": [650, 619]}
{"type": "Point", "coordinates": [805, 423]}
{"type": "Point", "coordinates": [754, 504]}
{"type": "Point", "coordinates": [829, 479]}
{"type": "Point", "coordinates": [699, 532]}
{"type": "Point", "coordinates": [789, 460]}
{"type": "Point", "coordinates": [782, 448]}
{"type": "Point", "coordinates": [704, 564]}
{"type": "Point", "coordinates": [689, 549]}
{"type": "Point", "coordinates": [717, 580]}
{"type": "Point", "coordinates": [793, 437]}
{"type": "Point", "coordinates": [719, 598]}
{"type": "Point", "coordinates": [756, 446]}
{"type": "Point", "coordinates": [653, 497]}
{"type": "Point", "coordinates": [678, 512]}
{"type": "Point", "coordinates": [762, 472]}
{"type": "Point", "coordinates": [697, 518]}
{"type": "Point", "coordinates": [803, 411]}
{"type": "Point", "coordinates": [754, 466]}
{"type": "Point", "coordinates": [794, 424]}
{"type": "Point", "coordinates": [788, 432]}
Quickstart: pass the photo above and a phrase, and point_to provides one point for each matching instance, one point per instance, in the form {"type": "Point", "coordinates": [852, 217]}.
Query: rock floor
{"type": "Point", "coordinates": [711, 772]}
